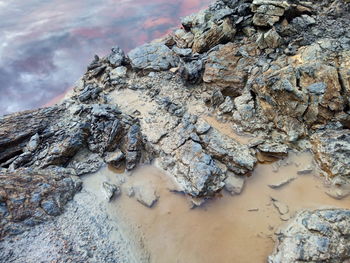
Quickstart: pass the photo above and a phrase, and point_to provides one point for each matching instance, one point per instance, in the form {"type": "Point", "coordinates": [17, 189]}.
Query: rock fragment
{"type": "Point", "coordinates": [110, 190]}
{"type": "Point", "coordinates": [146, 195]}
{"type": "Point", "coordinates": [234, 184]}
{"type": "Point", "coordinates": [153, 57]}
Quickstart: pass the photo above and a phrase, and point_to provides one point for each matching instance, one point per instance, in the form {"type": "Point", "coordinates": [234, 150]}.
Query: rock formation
{"type": "Point", "coordinates": [276, 70]}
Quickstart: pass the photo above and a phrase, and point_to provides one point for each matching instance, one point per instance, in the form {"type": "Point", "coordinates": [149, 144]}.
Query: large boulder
{"type": "Point", "coordinates": [153, 57]}
{"type": "Point", "coordinates": [315, 236]}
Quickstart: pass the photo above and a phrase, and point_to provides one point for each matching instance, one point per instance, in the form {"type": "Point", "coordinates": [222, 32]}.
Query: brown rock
{"type": "Point", "coordinates": [217, 33]}
{"type": "Point", "coordinates": [226, 68]}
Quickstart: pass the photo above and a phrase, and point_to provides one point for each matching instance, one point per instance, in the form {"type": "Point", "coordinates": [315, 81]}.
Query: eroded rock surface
{"type": "Point", "coordinates": [314, 236]}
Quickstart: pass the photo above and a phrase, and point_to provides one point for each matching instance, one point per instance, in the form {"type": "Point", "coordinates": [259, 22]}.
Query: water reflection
{"type": "Point", "coordinates": [46, 45]}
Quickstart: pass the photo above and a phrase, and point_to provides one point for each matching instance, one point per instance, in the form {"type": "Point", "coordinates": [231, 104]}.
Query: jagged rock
{"type": "Point", "coordinates": [133, 147]}
{"type": "Point", "coordinates": [90, 92]}
{"type": "Point", "coordinates": [268, 12]}
{"type": "Point", "coordinates": [89, 164]}
{"type": "Point", "coordinates": [110, 190]}
{"type": "Point", "coordinates": [208, 30]}
{"type": "Point", "coordinates": [153, 56]}
{"type": "Point", "coordinates": [216, 98]}
{"type": "Point", "coordinates": [273, 149]}
{"type": "Point", "coordinates": [228, 69]}
{"type": "Point", "coordinates": [117, 73]}
{"type": "Point", "coordinates": [237, 157]}
{"type": "Point", "coordinates": [192, 71]}
{"type": "Point", "coordinates": [117, 57]}
{"type": "Point", "coordinates": [29, 197]}
{"type": "Point", "coordinates": [304, 92]}
{"type": "Point", "coordinates": [234, 184]}
{"type": "Point", "coordinates": [146, 195]}
{"type": "Point", "coordinates": [331, 149]}
{"type": "Point", "coordinates": [196, 171]}
{"type": "Point", "coordinates": [217, 34]}
{"type": "Point", "coordinates": [245, 106]}
{"type": "Point", "coordinates": [115, 158]}
{"type": "Point", "coordinates": [270, 39]}
{"type": "Point", "coordinates": [314, 236]}
{"type": "Point", "coordinates": [183, 39]}
{"type": "Point", "coordinates": [227, 106]}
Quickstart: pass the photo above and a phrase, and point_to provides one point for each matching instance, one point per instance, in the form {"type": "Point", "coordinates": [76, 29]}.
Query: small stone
{"type": "Point", "coordinates": [117, 57]}
{"type": "Point", "coordinates": [111, 190]}
{"type": "Point", "coordinates": [146, 195]}
{"type": "Point", "coordinates": [234, 184]}
{"type": "Point", "coordinates": [117, 73]}
{"type": "Point", "coordinates": [306, 170]}
{"type": "Point", "coordinates": [115, 158]}
{"type": "Point", "coordinates": [33, 143]}
{"type": "Point", "coordinates": [281, 183]}
{"type": "Point", "coordinates": [202, 127]}
{"type": "Point", "coordinates": [227, 106]}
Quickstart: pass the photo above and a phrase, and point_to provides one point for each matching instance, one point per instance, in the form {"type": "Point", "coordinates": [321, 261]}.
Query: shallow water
{"type": "Point", "coordinates": [227, 229]}
{"type": "Point", "coordinates": [45, 46]}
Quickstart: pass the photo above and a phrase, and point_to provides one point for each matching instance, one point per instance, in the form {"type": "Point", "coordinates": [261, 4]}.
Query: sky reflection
{"type": "Point", "coordinates": [46, 45]}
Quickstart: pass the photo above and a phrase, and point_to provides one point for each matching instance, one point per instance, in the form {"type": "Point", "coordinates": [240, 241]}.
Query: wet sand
{"type": "Point", "coordinates": [227, 229]}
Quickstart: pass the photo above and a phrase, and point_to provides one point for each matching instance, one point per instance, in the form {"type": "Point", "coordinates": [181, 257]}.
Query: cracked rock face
{"type": "Point", "coordinates": [314, 236]}
{"type": "Point", "coordinates": [332, 151]}
{"type": "Point", "coordinates": [29, 197]}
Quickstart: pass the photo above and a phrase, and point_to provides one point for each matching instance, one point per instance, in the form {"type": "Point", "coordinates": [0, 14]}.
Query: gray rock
{"type": "Point", "coordinates": [314, 236]}
{"type": "Point", "coordinates": [115, 158]}
{"type": "Point", "coordinates": [117, 73]}
{"type": "Point", "coordinates": [202, 127]}
{"type": "Point", "coordinates": [227, 106]}
{"type": "Point", "coordinates": [33, 143]}
{"type": "Point", "coordinates": [197, 172]}
{"type": "Point", "coordinates": [236, 156]}
{"type": "Point", "coordinates": [306, 170]}
{"type": "Point", "coordinates": [270, 39]}
{"type": "Point", "coordinates": [117, 57]}
{"type": "Point", "coordinates": [184, 52]}
{"type": "Point", "coordinates": [192, 71]}
{"type": "Point", "coordinates": [133, 147]}
{"type": "Point", "coordinates": [110, 190]}
{"type": "Point", "coordinates": [154, 56]}
{"type": "Point", "coordinates": [331, 149]}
